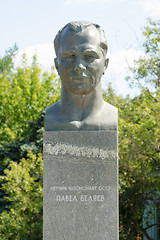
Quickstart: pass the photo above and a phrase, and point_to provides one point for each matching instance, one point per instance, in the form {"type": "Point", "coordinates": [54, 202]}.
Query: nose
{"type": "Point", "coordinates": [79, 65]}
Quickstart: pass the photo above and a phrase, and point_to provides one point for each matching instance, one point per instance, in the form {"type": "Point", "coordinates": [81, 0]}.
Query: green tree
{"type": "Point", "coordinates": [23, 186]}
{"type": "Point", "coordinates": [139, 138]}
{"type": "Point", "coordinates": [24, 94]}
{"type": "Point", "coordinates": [146, 71]}
{"type": "Point", "coordinates": [6, 62]}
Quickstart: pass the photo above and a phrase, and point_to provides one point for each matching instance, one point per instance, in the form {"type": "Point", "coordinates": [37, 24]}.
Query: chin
{"type": "Point", "coordinates": [82, 91]}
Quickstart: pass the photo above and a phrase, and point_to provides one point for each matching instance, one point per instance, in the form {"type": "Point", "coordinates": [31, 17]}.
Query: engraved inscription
{"type": "Point", "coordinates": [80, 188]}
{"type": "Point", "coordinates": [90, 198]}
{"type": "Point", "coordinates": [66, 198]}
{"type": "Point", "coordinates": [79, 193]}
{"type": "Point", "coordinates": [81, 198]}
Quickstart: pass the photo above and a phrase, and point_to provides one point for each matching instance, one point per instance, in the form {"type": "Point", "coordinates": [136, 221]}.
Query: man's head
{"type": "Point", "coordinates": [81, 50]}
{"type": "Point", "coordinates": [78, 27]}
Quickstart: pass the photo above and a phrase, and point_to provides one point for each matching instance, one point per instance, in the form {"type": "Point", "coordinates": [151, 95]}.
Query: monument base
{"type": "Point", "coordinates": [80, 185]}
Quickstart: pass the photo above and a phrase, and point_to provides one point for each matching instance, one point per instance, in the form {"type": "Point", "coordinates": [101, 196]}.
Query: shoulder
{"type": "Point", "coordinates": [52, 115]}
{"type": "Point", "coordinates": [52, 109]}
{"type": "Point", "coordinates": [110, 115]}
{"type": "Point", "coordinates": [108, 108]}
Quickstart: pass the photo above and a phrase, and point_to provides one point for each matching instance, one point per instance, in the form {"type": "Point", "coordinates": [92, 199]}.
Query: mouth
{"type": "Point", "coordinates": [79, 78]}
{"type": "Point", "coordinates": [79, 81]}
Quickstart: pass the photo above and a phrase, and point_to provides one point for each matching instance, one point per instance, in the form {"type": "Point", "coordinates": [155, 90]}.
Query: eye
{"type": "Point", "coordinates": [90, 57]}
{"type": "Point", "coordinates": [70, 56]}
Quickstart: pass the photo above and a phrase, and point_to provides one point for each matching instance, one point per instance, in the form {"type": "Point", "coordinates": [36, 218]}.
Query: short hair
{"type": "Point", "coordinates": [80, 26]}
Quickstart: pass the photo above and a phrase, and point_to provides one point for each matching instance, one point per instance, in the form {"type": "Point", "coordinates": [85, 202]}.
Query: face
{"type": "Point", "coordinates": [80, 61]}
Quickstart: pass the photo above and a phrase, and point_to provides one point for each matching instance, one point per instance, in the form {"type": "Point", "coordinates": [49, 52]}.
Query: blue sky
{"type": "Point", "coordinates": [33, 24]}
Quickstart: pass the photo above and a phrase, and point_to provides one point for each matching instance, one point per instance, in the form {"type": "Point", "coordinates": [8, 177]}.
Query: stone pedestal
{"type": "Point", "coordinates": [80, 185]}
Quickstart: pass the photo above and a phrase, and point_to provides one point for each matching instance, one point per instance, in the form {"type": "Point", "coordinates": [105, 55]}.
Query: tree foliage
{"type": "Point", "coordinates": [24, 94]}
{"type": "Point", "coordinates": [23, 186]}
{"type": "Point", "coordinates": [147, 69]}
{"type": "Point", "coordinates": [139, 139]}
{"type": "Point", "coordinates": [6, 62]}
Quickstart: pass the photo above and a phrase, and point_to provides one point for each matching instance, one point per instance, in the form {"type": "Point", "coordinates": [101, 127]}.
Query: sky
{"type": "Point", "coordinates": [33, 24]}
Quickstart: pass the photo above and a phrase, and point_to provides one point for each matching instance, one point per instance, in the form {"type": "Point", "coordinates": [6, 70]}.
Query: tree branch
{"type": "Point", "coordinates": [152, 225]}
{"type": "Point", "coordinates": [144, 230]}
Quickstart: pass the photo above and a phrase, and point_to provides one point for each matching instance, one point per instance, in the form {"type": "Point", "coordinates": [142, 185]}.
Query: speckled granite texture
{"type": "Point", "coordinates": [80, 185]}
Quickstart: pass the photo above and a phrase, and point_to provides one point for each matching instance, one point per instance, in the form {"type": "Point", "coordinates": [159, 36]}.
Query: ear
{"type": "Point", "coordinates": [56, 64]}
{"type": "Point", "coordinates": [106, 64]}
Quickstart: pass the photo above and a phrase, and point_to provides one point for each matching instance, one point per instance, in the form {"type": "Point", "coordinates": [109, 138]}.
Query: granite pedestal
{"type": "Point", "coordinates": [80, 185]}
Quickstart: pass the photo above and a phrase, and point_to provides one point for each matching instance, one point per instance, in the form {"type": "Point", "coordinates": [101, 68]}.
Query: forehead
{"type": "Point", "coordinates": [87, 38]}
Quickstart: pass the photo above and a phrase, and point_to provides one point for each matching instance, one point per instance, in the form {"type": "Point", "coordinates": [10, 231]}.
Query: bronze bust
{"type": "Point", "coordinates": [81, 50]}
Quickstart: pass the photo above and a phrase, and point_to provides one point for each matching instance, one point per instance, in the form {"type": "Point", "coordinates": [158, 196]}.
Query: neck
{"type": "Point", "coordinates": [79, 107]}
